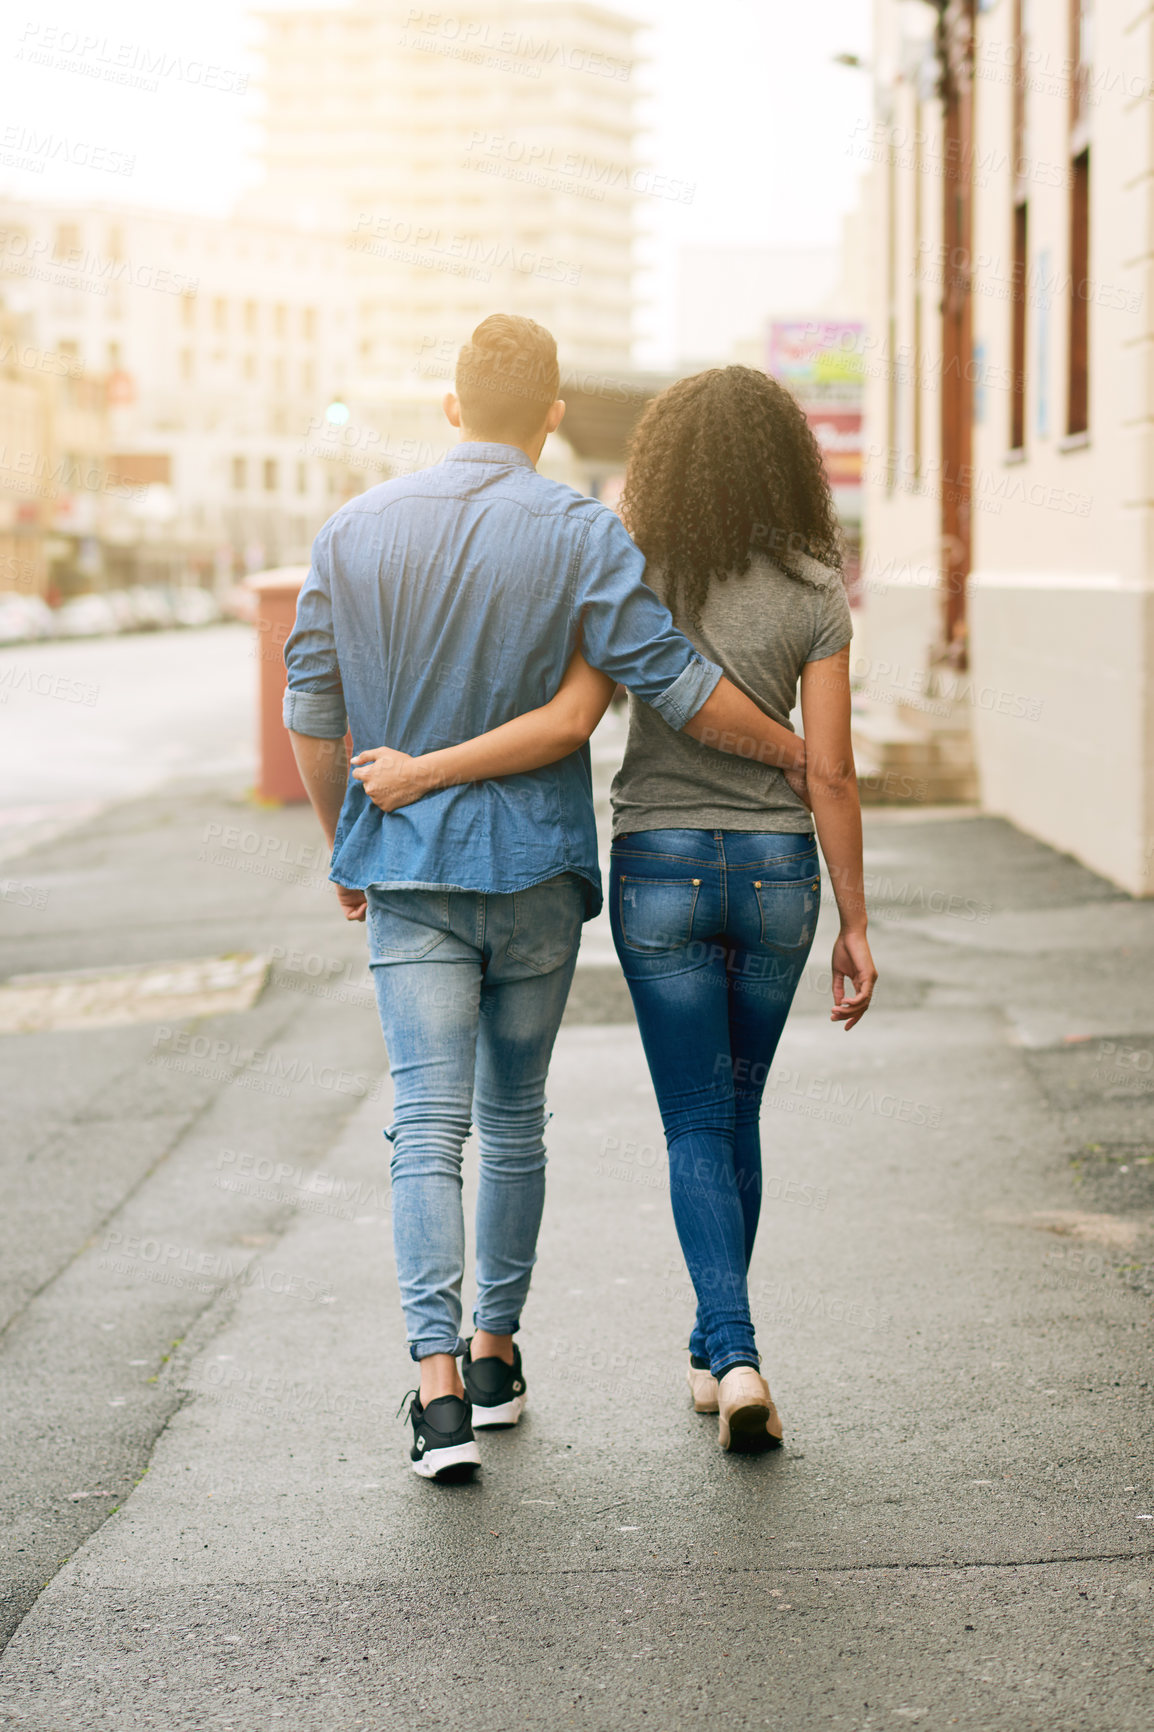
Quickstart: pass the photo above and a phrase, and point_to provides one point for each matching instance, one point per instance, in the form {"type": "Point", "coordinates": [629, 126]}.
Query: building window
{"type": "Point", "coordinates": [1078, 389]}
{"type": "Point", "coordinates": [187, 368]}
{"type": "Point", "coordinates": [239, 474]}
{"type": "Point", "coordinates": [278, 373]}
{"type": "Point", "coordinates": [250, 318]}
{"type": "Point", "coordinates": [1018, 292]}
{"type": "Point", "coordinates": [66, 245]}
{"type": "Point", "coordinates": [280, 319]}
{"type": "Point", "coordinates": [1078, 355]}
{"type": "Point", "coordinates": [1082, 60]}
{"type": "Point", "coordinates": [188, 311]}
{"type": "Point", "coordinates": [302, 477]}
{"type": "Point", "coordinates": [1019, 229]}
{"type": "Point", "coordinates": [918, 379]}
{"type": "Point", "coordinates": [891, 305]}
{"type": "Point", "coordinates": [116, 243]}
{"type": "Point", "coordinates": [220, 315]}
{"type": "Point", "coordinates": [270, 474]}
{"type": "Point", "coordinates": [309, 322]}
{"type": "Point", "coordinates": [115, 359]}
{"type": "Point", "coordinates": [308, 376]}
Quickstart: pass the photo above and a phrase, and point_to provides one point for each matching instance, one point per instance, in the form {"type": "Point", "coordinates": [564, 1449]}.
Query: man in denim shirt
{"type": "Point", "coordinates": [438, 606]}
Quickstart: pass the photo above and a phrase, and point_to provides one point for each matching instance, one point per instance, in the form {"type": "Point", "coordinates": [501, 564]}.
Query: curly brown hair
{"type": "Point", "coordinates": [724, 465]}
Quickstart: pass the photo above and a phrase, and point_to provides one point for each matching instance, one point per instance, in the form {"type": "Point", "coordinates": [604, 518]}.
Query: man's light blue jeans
{"type": "Point", "coordinates": [471, 988]}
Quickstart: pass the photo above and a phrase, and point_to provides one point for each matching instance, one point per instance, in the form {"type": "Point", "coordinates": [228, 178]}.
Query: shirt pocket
{"type": "Point", "coordinates": [788, 909]}
{"type": "Point", "coordinates": [406, 925]}
{"type": "Point", "coordinates": [656, 914]}
{"type": "Point", "coordinates": [547, 923]}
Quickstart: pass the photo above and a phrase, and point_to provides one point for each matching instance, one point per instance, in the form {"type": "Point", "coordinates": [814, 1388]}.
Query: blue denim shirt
{"type": "Point", "coordinates": [441, 604]}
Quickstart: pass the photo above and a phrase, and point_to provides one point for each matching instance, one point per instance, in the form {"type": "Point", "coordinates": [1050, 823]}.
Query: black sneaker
{"type": "Point", "coordinates": [443, 1443]}
{"type": "Point", "coordinates": [496, 1390]}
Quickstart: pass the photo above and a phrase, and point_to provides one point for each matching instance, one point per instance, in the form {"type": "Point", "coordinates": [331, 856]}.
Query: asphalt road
{"type": "Point", "coordinates": [208, 1518]}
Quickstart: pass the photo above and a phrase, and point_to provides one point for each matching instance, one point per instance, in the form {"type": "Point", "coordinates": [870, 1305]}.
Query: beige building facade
{"type": "Point", "coordinates": [473, 160]}
{"type": "Point", "coordinates": [1009, 570]}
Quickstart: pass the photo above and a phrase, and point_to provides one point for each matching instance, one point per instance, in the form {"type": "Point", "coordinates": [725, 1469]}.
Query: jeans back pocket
{"type": "Point", "coordinates": [405, 925]}
{"type": "Point", "coordinates": [547, 922]}
{"type": "Point", "coordinates": [788, 909]}
{"type": "Point", "coordinates": [657, 913]}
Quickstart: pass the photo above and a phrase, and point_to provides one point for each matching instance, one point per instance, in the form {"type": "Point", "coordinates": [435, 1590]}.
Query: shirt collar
{"type": "Point", "coordinates": [479, 451]}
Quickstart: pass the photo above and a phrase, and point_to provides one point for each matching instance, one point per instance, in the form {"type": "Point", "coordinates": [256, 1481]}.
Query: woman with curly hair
{"type": "Point", "coordinates": [715, 883]}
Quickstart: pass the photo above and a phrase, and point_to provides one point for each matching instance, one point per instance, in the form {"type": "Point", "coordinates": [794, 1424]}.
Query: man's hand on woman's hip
{"type": "Point", "coordinates": [391, 779]}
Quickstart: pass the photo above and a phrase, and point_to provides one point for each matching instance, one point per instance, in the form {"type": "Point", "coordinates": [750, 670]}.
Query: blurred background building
{"type": "Point", "coordinates": [1007, 639]}
{"type": "Point", "coordinates": [198, 394]}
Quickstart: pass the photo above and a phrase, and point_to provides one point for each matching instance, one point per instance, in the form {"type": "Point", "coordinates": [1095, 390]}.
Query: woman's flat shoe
{"type": "Point", "coordinates": [748, 1421]}
{"type": "Point", "coordinates": [702, 1387]}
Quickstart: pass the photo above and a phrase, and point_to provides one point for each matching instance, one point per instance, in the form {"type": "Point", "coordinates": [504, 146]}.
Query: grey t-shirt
{"type": "Point", "coordinates": [762, 627]}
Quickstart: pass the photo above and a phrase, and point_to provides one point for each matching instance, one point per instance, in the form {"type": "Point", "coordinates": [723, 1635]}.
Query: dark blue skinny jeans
{"type": "Point", "coordinates": [713, 928]}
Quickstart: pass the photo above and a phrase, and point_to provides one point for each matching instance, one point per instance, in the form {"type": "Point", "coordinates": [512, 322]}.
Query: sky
{"type": "Point", "coordinates": [743, 100]}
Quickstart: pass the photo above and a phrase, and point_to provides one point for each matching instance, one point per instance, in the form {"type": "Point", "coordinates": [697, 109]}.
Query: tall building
{"type": "Point", "coordinates": [212, 349]}
{"type": "Point", "coordinates": [471, 160]}
{"type": "Point", "coordinates": [1009, 568]}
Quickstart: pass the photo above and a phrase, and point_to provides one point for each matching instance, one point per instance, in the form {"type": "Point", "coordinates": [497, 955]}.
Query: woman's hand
{"type": "Point", "coordinates": [852, 961]}
{"type": "Point", "coordinates": [392, 779]}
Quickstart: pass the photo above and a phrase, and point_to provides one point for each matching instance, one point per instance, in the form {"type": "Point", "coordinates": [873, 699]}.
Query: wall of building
{"type": "Point", "coordinates": [1060, 610]}
{"type": "Point", "coordinates": [1061, 591]}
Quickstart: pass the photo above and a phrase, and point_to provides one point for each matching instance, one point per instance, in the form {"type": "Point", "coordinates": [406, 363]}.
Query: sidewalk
{"type": "Point", "coordinates": [951, 1289]}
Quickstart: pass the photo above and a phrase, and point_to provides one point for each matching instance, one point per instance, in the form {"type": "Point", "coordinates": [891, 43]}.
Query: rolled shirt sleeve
{"type": "Point", "coordinates": [314, 700]}
{"type": "Point", "coordinates": [629, 634]}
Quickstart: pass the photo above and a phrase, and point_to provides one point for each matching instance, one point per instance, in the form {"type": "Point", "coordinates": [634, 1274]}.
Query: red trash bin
{"type": "Point", "coordinates": [278, 779]}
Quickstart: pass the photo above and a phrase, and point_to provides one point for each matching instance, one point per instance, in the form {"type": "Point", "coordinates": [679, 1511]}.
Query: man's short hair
{"type": "Point", "coordinates": [507, 378]}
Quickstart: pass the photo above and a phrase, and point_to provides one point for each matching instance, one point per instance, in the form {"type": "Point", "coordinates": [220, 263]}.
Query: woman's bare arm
{"type": "Point", "coordinates": [728, 721]}
{"type": "Point", "coordinates": [832, 783]}
{"type": "Point", "coordinates": [542, 736]}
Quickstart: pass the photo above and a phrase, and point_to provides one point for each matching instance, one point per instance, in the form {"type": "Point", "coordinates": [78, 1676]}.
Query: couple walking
{"type": "Point", "coordinates": [476, 617]}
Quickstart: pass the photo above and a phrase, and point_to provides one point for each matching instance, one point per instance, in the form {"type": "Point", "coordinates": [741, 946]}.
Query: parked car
{"type": "Point", "coordinates": [24, 618]}
{"type": "Point", "coordinates": [195, 607]}
{"type": "Point", "coordinates": [86, 616]}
